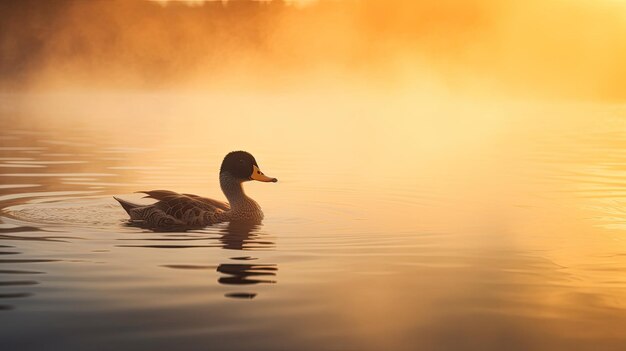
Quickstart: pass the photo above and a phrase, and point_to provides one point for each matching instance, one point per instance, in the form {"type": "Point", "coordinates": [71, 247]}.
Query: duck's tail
{"type": "Point", "coordinates": [126, 205]}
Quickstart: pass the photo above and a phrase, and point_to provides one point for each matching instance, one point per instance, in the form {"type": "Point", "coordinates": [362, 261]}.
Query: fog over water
{"type": "Point", "coordinates": [551, 49]}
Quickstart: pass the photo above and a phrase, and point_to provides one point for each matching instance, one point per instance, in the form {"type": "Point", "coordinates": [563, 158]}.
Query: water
{"type": "Point", "coordinates": [397, 224]}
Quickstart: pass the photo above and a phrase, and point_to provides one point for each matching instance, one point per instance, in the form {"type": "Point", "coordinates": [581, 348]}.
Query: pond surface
{"type": "Point", "coordinates": [397, 224]}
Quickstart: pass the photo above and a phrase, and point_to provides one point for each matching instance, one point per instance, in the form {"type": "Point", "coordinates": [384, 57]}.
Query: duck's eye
{"type": "Point", "coordinates": [258, 172]}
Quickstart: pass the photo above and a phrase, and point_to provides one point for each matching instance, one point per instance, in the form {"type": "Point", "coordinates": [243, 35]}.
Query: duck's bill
{"type": "Point", "coordinates": [258, 175]}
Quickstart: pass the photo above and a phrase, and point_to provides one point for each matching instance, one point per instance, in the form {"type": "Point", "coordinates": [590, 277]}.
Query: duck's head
{"type": "Point", "coordinates": [243, 166]}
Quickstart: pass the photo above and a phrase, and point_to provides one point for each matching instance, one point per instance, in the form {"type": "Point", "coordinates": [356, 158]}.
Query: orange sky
{"type": "Point", "coordinates": [572, 49]}
{"type": "Point", "coordinates": [199, 2]}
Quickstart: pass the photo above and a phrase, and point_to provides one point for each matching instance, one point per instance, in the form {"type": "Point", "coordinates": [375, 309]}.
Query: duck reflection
{"type": "Point", "coordinates": [241, 237]}
{"type": "Point", "coordinates": [245, 236]}
{"type": "Point", "coordinates": [246, 274]}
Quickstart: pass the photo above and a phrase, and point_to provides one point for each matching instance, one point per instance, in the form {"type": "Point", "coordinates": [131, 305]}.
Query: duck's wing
{"type": "Point", "coordinates": [179, 204]}
{"type": "Point", "coordinates": [158, 194]}
{"type": "Point", "coordinates": [167, 194]}
{"type": "Point", "coordinates": [176, 210]}
{"type": "Point", "coordinates": [215, 203]}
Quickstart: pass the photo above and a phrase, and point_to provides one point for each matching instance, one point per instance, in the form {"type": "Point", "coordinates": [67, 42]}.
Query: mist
{"type": "Point", "coordinates": [562, 49]}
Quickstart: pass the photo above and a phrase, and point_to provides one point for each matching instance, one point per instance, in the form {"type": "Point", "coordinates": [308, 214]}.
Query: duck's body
{"type": "Point", "coordinates": [186, 210]}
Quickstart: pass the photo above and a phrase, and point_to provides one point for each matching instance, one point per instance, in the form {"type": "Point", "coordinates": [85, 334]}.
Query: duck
{"type": "Point", "coordinates": [174, 210]}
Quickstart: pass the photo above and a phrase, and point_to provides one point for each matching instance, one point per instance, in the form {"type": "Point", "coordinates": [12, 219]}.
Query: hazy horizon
{"type": "Point", "coordinates": [546, 49]}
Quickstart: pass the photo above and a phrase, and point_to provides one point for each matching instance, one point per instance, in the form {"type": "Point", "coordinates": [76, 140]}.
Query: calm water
{"type": "Point", "coordinates": [397, 224]}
